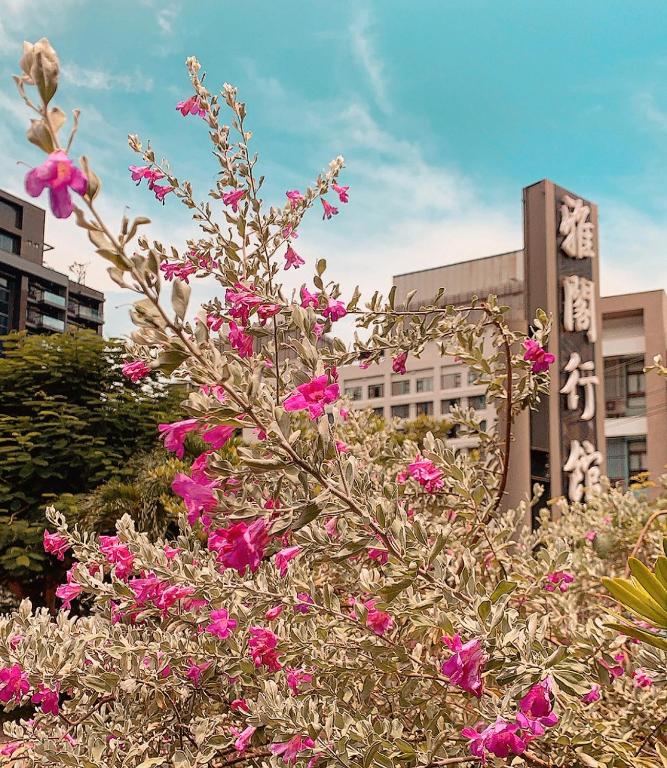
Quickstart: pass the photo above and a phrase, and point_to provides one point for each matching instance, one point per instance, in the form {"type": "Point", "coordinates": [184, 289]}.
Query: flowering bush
{"type": "Point", "coordinates": [335, 597]}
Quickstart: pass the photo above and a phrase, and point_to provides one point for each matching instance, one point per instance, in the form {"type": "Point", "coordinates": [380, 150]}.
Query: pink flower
{"type": "Point", "coordinates": [118, 555]}
{"type": "Point", "coordinates": [540, 358]}
{"type": "Point", "coordinates": [344, 413]}
{"type": "Point", "coordinates": [214, 323]}
{"type": "Point", "coordinates": [216, 437]}
{"type": "Point", "coordinates": [329, 209]}
{"type": "Point", "coordinates": [318, 329]}
{"type": "Point", "coordinates": [289, 232]}
{"type": "Point", "coordinates": [55, 544]}
{"type": "Point", "coordinates": [464, 667]}
{"type": "Point", "coordinates": [426, 474]}
{"type": "Point", "coordinates": [263, 644]}
{"type": "Point", "coordinates": [47, 699]}
{"type": "Point", "coordinates": [289, 750]}
{"type": "Point", "coordinates": [174, 435]}
{"type": "Point", "coordinates": [194, 672]}
{"type": "Point", "coordinates": [191, 106]}
{"type": "Point", "coordinates": [241, 545]}
{"type": "Point", "coordinates": [313, 396]}
{"type": "Point", "coordinates": [309, 299]}
{"type": "Point", "coordinates": [292, 258]}
{"type": "Point", "coordinates": [591, 536]}
{"type": "Point", "coordinates": [135, 370]}
{"type": "Point", "coordinates": [295, 677]}
{"type": "Point", "coordinates": [8, 749]}
{"type": "Point", "coordinates": [398, 363]}
{"type": "Point", "coordinates": [145, 172]}
{"type": "Point", "coordinates": [536, 708]}
{"type": "Point", "coordinates": [244, 737]}
{"type": "Point", "coordinates": [266, 310]}
{"type": "Point", "coordinates": [273, 613]}
{"type": "Point", "coordinates": [170, 552]}
{"type": "Point", "coordinates": [642, 679]}
{"type": "Point", "coordinates": [283, 558]}
{"type": "Point", "coordinates": [560, 579]}
{"type": "Point", "coordinates": [221, 625]}
{"type": "Point", "coordinates": [295, 197]}
{"type": "Point", "coordinates": [376, 620]}
{"type": "Point", "coordinates": [341, 192]}
{"type": "Point", "coordinates": [14, 683]}
{"type": "Point", "coordinates": [233, 198]}
{"type": "Point", "coordinates": [334, 310]}
{"type": "Point", "coordinates": [615, 670]}
{"type": "Point", "coordinates": [69, 591]}
{"type": "Point", "coordinates": [197, 493]}
{"type": "Point", "coordinates": [161, 191]}
{"type": "Point", "coordinates": [304, 602]}
{"type": "Point", "coordinates": [381, 556]}
{"type": "Point", "coordinates": [500, 739]}
{"type": "Point", "coordinates": [172, 269]}
{"type": "Point", "coordinates": [239, 705]}
{"type": "Point", "coordinates": [242, 300]}
{"type": "Point", "coordinates": [592, 695]}
{"type": "Point", "coordinates": [240, 341]}
{"type": "Point", "coordinates": [58, 174]}
{"type": "Point", "coordinates": [342, 447]}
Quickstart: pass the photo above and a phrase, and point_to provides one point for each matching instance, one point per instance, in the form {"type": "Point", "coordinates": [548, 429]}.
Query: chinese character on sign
{"type": "Point", "coordinates": [580, 375]}
{"type": "Point", "coordinates": [583, 465]}
{"type": "Point", "coordinates": [579, 306]}
{"type": "Point", "coordinates": [578, 230]}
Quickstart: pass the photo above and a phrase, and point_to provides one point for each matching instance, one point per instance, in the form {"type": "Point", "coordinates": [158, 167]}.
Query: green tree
{"type": "Point", "coordinates": [69, 420]}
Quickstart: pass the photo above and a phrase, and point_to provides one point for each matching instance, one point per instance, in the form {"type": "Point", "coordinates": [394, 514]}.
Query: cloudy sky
{"type": "Point", "coordinates": [443, 109]}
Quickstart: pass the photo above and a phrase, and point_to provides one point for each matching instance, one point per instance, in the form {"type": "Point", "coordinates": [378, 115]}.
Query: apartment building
{"type": "Point", "coordinates": [34, 297]}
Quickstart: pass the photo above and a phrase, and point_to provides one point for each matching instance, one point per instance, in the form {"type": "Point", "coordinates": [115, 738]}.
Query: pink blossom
{"type": "Point", "coordinates": [536, 708]}
{"type": "Point", "coordinates": [161, 191]}
{"type": "Point", "coordinates": [191, 106]}
{"type": "Point", "coordinates": [313, 396]}
{"type": "Point", "coordinates": [501, 739]}
{"type": "Point", "coordinates": [593, 695]}
{"type": "Point", "coordinates": [58, 174]}
{"type": "Point", "coordinates": [240, 545]}
{"type": "Point", "coordinates": [8, 748]}
{"type": "Point", "coordinates": [289, 750]}
{"type": "Point", "coordinates": [376, 620]}
{"type": "Point", "coordinates": [145, 172]}
{"type": "Point", "coordinates": [334, 310]}
{"type": "Point", "coordinates": [398, 363]}
{"type": "Point", "coordinates": [295, 197]}
{"type": "Point", "coordinates": [213, 391]}
{"type": "Point", "coordinates": [263, 644]}
{"type": "Point", "coordinates": [197, 493]}
{"type": "Point", "coordinates": [239, 705]}
{"type": "Point", "coordinates": [560, 580]}
{"type": "Point", "coordinates": [292, 258]}
{"type": "Point", "coordinates": [242, 300]}
{"type": "Point", "coordinates": [47, 699]}
{"type": "Point", "coordinates": [342, 447]}
{"type": "Point", "coordinates": [214, 323]}
{"type": "Point", "coordinates": [244, 737]}
{"type": "Point", "coordinates": [642, 678]}
{"type": "Point", "coordinates": [283, 558]}
{"type": "Point", "coordinates": [174, 435]}
{"type": "Point", "coordinates": [118, 555]}
{"type": "Point", "coordinates": [267, 310]}
{"type": "Point", "coordinates": [170, 552]}
{"type": "Point", "coordinates": [172, 269]}
{"type": "Point", "coordinates": [135, 370]}
{"type": "Point", "coordinates": [15, 641]}
{"type": "Point", "coordinates": [329, 210]}
{"type": "Point", "coordinates": [615, 670]}
{"type": "Point", "coordinates": [195, 671]}
{"type": "Point", "coordinates": [464, 668]}
{"type": "Point", "coordinates": [426, 474]}
{"type": "Point", "coordinates": [218, 436]}
{"type": "Point", "coordinates": [13, 683]}
{"type": "Point", "coordinates": [55, 544]}
{"type": "Point", "coordinates": [221, 625]}
{"type": "Point", "coordinates": [240, 341]}
{"type": "Point", "coordinates": [381, 556]}
{"type": "Point", "coordinates": [309, 299]}
{"type": "Point", "coordinates": [295, 677]}
{"type": "Point", "coordinates": [344, 413]}
{"type": "Point", "coordinates": [304, 602]}
{"type": "Point", "coordinates": [273, 613]}
{"type": "Point", "coordinates": [341, 192]}
{"type": "Point", "coordinates": [233, 198]}
{"type": "Point", "coordinates": [540, 358]}
{"type": "Point", "coordinates": [289, 232]}
{"type": "Point", "coordinates": [69, 591]}
{"type": "Point", "coordinates": [590, 536]}
{"type": "Point", "coordinates": [318, 330]}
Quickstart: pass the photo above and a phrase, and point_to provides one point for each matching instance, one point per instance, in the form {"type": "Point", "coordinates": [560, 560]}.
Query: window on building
{"type": "Point", "coordinates": [472, 377]}
{"type": "Point", "coordinates": [4, 305]}
{"type": "Point", "coordinates": [450, 380]}
{"type": "Point", "coordinates": [424, 409]}
{"type": "Point", "coordinates": [482, 425]}
{"type": "Point", "coordinates": [11, 213]}
{"type": "Point", "coordinates": [626, 457]}
{"type": "Point", "coordinates": [624, 386]}
{"type": "Point", "coordinates": [478, 402]}
{"type": "Point", "coordinates": [635, 388]}
{"type": "Point", "coordinates": [401, 387]}
{"type": "Point", "coordinates": [400, 411]}
{"type": "Point", "coordinates": [375, 391]}
{"type": "Point", "coordinates": [354, 392]}
{"type": "Point", "coordinates": [424, 384]}
{"type": "Point", "coordinates": [379, 412]}
{"type": "Point", "coordinates": [10, 243]}
{"type": "Point", "coordinates": [447, 405]}
{"type": "Point", "coordinates": [453, 431]}
{"type": "Point", "coordinates": [637, 456]}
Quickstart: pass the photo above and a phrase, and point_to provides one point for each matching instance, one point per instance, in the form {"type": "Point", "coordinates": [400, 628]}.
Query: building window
{"type": "Point", "coordinates": [424, 409]}
{"type": "Point", "coordinates": [472, 377]}
{"type": "Point", "coordinates": [375, 391]}
{"type": "Point", "coordinates": [379, 412]}
{"type": "Point", "coordinates": [400, 387]}
{"type": "Point", "coordinates": [354, 393]}
{"type": "Point", "coordinates": [424, 384]}
{"type": "Point", "coordinates": [624, 386]}
{"type": "Point", "coordinates": [635, 388]}
{"type": "Point", "coordinates": [11, 213]}
{"type": "Point", "coordinates": [625, 457]}
{"type": "Point", "coordinates": [400, 411]}
{"type": "Point", "coordinates": [4, 305]}
{"type": "Point", "coordinates": [10, 243]}
{"type": "Point", "coordinates": [482, 425]}
{"type": "Point", "coordinates": [478, 402]}
{"type": "Point", "coordinates": [447, 405]}
{"type": "Point", "coordinates": [637, 456]}
{"type": "Point", "coordinates": [450, 380]}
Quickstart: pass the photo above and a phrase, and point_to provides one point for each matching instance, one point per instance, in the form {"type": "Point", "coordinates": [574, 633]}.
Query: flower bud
{"type": "Point", "coordinates": [41, 67]}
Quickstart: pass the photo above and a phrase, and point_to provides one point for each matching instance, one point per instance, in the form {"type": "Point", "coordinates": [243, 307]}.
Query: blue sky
{"type": "Point", "coordinates": [443, 110]}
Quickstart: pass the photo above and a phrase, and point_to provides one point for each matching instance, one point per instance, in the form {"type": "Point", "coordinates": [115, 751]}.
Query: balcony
{"type": "Point", "coordinates": [44, 322]}
{"type": "Point", "coordinates": [43, 296]}
{"type": "Point", "coordinates": [82, 312]}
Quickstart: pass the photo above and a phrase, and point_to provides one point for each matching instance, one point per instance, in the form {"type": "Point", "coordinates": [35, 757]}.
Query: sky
{"type": "Point", "coordinates": [443, 109]}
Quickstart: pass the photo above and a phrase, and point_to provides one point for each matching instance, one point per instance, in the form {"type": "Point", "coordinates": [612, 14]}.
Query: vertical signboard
{"type": "Point", "coordinates": [562, 277]}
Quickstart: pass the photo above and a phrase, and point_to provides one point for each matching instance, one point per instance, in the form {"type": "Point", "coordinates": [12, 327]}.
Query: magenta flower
{"type": "Point", "coordinates": [426, 474]}
{"type": "Point", "coordinates": [214, 323]}
{"type": "Point", "coordinates": [233, 198]}
{"type": "Point", "coordinates": [341, 192]}
{"type": "Point", "coordinates": [292, 258]}
{"type": "Point", "coordinates": [536, 708]}
{"type": "Point", "coordinates": [376, 620]}
{"type": "Point", "coordinates": [194, 672]}
{"type": "Point", "coordinates": [313, 396]}
{"type": "Point", "coordinates": [14, 683]}
{"type": "Point", "coordinates": [539, 357]}
{"type": "Point", "coordinates": [329, 210]}
{"type": "Point", "coordinates": [239, 705]}
{"type": "Point", "coordinates": [304, 602]}
{"type": "Point", "coordinates": [145, 172]}
{"type": "Point", "coordinates": [242, 300]}
{"type": "Point", "coordinates": [174, 435]}
{"type": "Point", "coordinates": [191, 106]}
{"type": "Point", "coordinates": [47, 699]}
{"type": "Point", "coordinates": [309, 299]}
{"type": "Point", "coordinates": [591, 536]}
{"type": "Point", "coordinates": [560, 580]}
{"type": "Point", "coordinates": [289, 750]}
{"type": "Point", "coordinates": [240, 341]}
{"type": "Point", "coordinates": [243, 738]}
{"type": "Point", "coordinates": [295, 677]}
{"type": "Point", "coordinates": [334, 310]}
{"type": "Point", "coordinates": [58, 174]}
{"type": "Point", "coordinates": [642, 679]}
{"type": "Point", "coordinates": [464, 668]}
{"type": "Point", "coordinates": [197, 493]}
{"type": "Point", "coordinates": [398, 363]}
{"type": "Point", "coordinates": [216, 437]}
{"type": "Point", "coordinates": [263, 646]}
{"type": "Point", "coordinates": [342, 447]}
{"type": "Point", "coordinates": [118, 555]}
{"type": "Point", "coordinates": [172, 269]}
{"type": "Point", "coordinates": [69, 591]}
{"type": "Point", "coordinates": [284, 557]}
{"type": "Point", "coordinates": [289, 232]}
{"type": "Point", "coordinates": [273, 613]}
{"type": "Point", "coordinates": [593, 695]}
{"type": "Point", "coordinates": [161, 191]}
{"type": "Point", "coordinates": [295, 197]}
{"type": "Point", "coordinates": [501, 739]}
{"type": "Point", "coordinates": [240, 546]}
{"type": "Point", "coordinates": [221, 625]}
{"type": "Point", "coordinates": [135, 370]}
{"type": "Point", "coordinates": [55, 544]}
{"type": "Point", "coordinates": [380, 556]}
{"type": "Point", "coordinates": [615, 670]}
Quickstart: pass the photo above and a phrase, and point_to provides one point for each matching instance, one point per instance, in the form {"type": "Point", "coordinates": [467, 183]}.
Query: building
{"type": "Point", "coordinates": [32, 296]}
{"type": "Point", "coordinates": [626, 419]}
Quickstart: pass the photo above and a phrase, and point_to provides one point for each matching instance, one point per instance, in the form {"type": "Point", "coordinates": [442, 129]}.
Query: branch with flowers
{"type": "Point", "coordinates": [336, 597]}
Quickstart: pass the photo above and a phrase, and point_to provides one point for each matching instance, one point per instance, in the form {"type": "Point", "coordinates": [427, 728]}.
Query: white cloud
{"type": "Point", "coordinates": [99, 80]}
{"type": "Point", "coordinates": [363, 46]}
